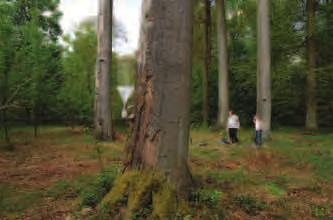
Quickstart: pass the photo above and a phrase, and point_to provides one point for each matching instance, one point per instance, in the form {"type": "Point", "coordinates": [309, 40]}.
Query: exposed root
{"type": "Point", "coordinates": [142, 193]}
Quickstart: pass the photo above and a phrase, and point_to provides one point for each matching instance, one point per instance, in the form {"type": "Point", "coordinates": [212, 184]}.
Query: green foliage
{"type": "Point", "coordinates": [288, 61]}
{"type": "Point", "coordinates": [77, 93]}
{"type": "Point", "coordinates": [209, 197]}
{"type": "Point", "coordinates": [29, 59]}
{"type": "Point", "coordinates": [42, 81]}
{"type": "Point", "coordinates": [250, 205]}
{"type": "Point", "coordinates": [94, 193]}
{"type": "Point", "coordinates": [76, 97]}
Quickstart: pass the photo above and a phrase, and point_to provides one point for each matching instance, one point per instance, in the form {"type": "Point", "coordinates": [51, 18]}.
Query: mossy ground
{"type": "Point", "coordinates": [58, 174]}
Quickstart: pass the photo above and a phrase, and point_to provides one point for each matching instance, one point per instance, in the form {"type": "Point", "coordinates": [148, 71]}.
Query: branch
{"type": "Point", "coordinates": [17, 90]}
{"type": "Point", "coordinates": [5, 107]}
{"type": "Point", "coordinates": [10, 102]}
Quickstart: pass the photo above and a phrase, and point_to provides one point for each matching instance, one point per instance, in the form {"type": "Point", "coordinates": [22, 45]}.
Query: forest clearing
{"type": "Point", "coordinates": [62, 174]}
{"type": "Point", "coordinates": [166, 109]}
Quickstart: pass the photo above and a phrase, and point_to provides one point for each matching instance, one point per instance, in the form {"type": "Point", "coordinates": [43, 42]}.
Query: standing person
{"type": "Point", "coordinates": [233, 126]}
{"type": "Point", "coordinates": [258, 131]}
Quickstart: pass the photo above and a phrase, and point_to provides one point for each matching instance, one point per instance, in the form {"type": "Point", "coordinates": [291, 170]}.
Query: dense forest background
{"type": "Point", "coordinates": [48, 78]}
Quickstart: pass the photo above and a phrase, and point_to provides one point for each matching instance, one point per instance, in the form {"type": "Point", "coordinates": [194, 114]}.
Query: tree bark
{"type": "Point", "coordinates": [5, 127]}
{"type": "Point", "coordinates": [264, 100]}
{"type": "Point", "coordinates": [207, 61]}
{"type": "Point", "coordinates": [4, 110]}
{"type": "Point", "coordinates": [223, 64]}
{"type": "Point", "coordinates": [160, 132]}
{"type": "Point", "coordinates": [311, 105]}
{"type": "Point", "coordinates": [103, 119]}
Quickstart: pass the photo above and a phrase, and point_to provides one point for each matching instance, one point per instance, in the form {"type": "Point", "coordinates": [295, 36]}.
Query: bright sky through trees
{"type": "Point", "coordinates": [127, 12]}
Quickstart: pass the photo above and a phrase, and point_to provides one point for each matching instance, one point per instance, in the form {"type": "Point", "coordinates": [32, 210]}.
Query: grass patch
{"type": "Point", "coordinates": [14, 200]}
{"type": "Point", "coordinates": [236, 177]}
{"type": "Point", "coordinates": [236, 152]}
{"type": "Point", "coordinates": [61, 188]}
{"type": "Point", "coordinates": [319, 160]}
{"type": "Point", "coordinates": [98, 151]}
{"type": "Point", "coordinates": [274, 190]}
{"type": "Point", "coordinates": [202, 152]}
{"type": "Point", "coordinates": [76, 139]}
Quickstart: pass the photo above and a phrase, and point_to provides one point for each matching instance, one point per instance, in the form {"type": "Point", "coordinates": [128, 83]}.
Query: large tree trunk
{"type": "Point", "coordinates": [160, 133]}
{"type": "Point", "coordinates": [264, 100]}
{"type": "Point", "coordinates": [311, 105]}
{"type": "Point", "coordinates": [223, 64]}
{"type": "Point", "coordinates": [103, 123]}
{"type": "Point", "coordinates": [207, 62]}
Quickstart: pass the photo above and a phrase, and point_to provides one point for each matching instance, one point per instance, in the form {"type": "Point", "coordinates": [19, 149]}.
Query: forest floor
{"type": "Point", "coordinates": [59, 173]}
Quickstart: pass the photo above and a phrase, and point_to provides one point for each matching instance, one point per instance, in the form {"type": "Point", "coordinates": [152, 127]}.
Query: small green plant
{"type": "Point", "coordinates": [250, 205]}
{"type": "Point", "coordinates": [274, 190]}
{"type": "Point", "coordinates": [210, 197]}
{"type": "Point", "coordinates": [95, 192]}
{"type": "Point", "coordinates": [320, 212]}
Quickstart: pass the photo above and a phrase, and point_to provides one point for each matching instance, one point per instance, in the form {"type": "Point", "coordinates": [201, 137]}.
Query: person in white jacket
{"type": "Point", "coordinates": [233, 126]}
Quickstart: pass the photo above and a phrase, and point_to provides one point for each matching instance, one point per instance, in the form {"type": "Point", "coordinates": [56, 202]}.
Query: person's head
{"type": "Point", "coordinates": [231, 113]}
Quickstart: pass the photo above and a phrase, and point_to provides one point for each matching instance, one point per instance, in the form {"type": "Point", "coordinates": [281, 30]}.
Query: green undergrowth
{"type": "Point", "coordinates": [207, 196]}
{"type": "Point", "coordinates": [94, 192]}
{"type": "Point", "coordinates": [250, 205]}
{"type": "Point", "coordinates": [143, 193]}
{"type": "Point", "coordinates": [16, 200]}
{"type": "Point", "coordinates": [86, 188]}
{"type": "Point", "coordinates": [289, 178]}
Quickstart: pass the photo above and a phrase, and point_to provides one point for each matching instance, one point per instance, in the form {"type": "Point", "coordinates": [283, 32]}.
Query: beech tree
{"type": "Point", "coordinates": [207, 62]}
{"type": "Point", "coordinates": [160, 132]}
{"type": "Point", "coordinates": [103, 123]}
{"type": "Point", "coordinates": [223, 84]}
{"type": "Point", "coordinates": [311, 104]}
{"type": "Point", "coordinates": [264, 100]}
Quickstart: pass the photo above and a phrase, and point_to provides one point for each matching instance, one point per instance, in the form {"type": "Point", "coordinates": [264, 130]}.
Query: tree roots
{"type": "Point", "coordinates": [145, 194]}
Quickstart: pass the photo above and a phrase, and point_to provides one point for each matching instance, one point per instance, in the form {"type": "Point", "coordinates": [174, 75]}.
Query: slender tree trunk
{"type": "Point", "coordinates": [35, 121]}
{"type": "Point", "coordinates": [264, 100]}
{"type": "Point", "coordinates": [205, 103]}
{"type": "Point", "coordinates": [103, 119]}
{"type": "Point", "coordinates": [311, 105]}
{"type": "Point", "coordinates": [223, 64]}
{"type": "Point", "coordinates": [160, 132]}
{"type": "Point", "coordinates": [5, 127]}
{"type": "Point", "coordinates": [4, 111]}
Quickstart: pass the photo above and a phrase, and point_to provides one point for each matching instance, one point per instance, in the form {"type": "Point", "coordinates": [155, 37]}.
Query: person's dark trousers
{"type": "Point", "coordinates": [233, 135]}
{"type": "Point", "coordinates": [258, 138]}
